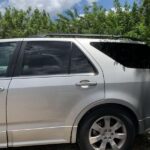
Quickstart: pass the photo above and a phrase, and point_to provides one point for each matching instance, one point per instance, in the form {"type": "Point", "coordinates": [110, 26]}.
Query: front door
{"type": "Point", "coordinates": [7, 53]}
{"type": "Point", "coordinates": [54, 82]}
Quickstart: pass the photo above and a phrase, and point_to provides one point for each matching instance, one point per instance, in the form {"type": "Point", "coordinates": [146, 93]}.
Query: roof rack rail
{"type": "Point", "coordinates": [91, 36]}
{"type": "Point", "coordinates": [86, 36]}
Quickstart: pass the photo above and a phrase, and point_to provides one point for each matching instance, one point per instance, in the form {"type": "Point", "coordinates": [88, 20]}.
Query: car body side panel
{"type": "Point", "coordinates": [103, 102]}
{"type": "Point", "coordinates": [4, 83]}
{"type": "Point", "coordinates": [122, 86]}
{"type": "Point", "coordinates": [42, 109]}
{"type": "Point", "coordinates": [30, 113]}
{"type": "Point", "coordinates": [127, 84]}
{"type": "Point", "coordinates": [34, 119]}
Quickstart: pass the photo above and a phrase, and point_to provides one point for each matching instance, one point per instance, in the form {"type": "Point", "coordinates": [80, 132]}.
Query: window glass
{"type": "Point", "coordinates": [128, 54]}
{"type": "Point", "coordinates": [46, 58]}
{"type": "Point", "coordinates": [6, 52]}
{"type": "Point", "coordinates": [79, 62]}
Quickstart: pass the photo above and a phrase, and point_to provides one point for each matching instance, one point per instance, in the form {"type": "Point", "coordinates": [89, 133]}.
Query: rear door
{"type": "Point", "coordinates": [8, 54]}
{"type": "Point", "coordinates": [54, 82]}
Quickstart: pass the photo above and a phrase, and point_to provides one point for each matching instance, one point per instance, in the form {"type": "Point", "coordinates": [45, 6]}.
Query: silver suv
{"type": "Point", "coordinates": [89, 89]}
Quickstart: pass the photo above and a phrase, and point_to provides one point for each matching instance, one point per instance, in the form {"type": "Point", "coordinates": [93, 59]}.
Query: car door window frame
{"type": "Point", "coordinates": [17, 72]}
{"type": "Point", "coordinates": [21, 57]}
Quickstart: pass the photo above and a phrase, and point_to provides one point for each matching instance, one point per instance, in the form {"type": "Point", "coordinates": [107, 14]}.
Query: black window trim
{"type": "Point", "coordinates": [17, 72]}
{"type": "Point", "coordinates": [19, 60]}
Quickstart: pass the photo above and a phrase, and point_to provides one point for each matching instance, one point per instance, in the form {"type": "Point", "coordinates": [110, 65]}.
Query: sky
{"type": "Point", "coordinates": [56, 6]}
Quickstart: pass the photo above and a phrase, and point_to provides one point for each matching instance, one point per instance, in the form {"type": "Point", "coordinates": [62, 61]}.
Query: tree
{"type": "Point", "coordinates": [133, 21]}
{"type": "Point", "coordinates": [146, 13]}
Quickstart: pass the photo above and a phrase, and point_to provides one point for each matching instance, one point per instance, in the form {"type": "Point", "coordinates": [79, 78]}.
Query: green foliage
{"type": "Point", "coordinates": [133, 21]}
{"type": "Point", "coordinates": [19, 23]}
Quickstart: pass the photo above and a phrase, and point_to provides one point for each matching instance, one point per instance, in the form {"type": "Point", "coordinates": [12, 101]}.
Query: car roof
{"type": "Point", "coordinates": [89, 37]}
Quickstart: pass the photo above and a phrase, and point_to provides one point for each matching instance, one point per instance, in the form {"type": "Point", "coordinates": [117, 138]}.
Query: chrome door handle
{"type": "Point", "coordinates": [1, 89]}
{"type": "Point", "coordinates": [86, 84]}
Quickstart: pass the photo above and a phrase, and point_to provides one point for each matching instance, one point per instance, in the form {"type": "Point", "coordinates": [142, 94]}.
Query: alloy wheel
{"type": "Point", "coordinates": [108, 133]}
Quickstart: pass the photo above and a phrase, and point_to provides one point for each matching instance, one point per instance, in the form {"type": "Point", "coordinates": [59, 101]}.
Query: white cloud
{"type": "Point", "coordinates": [114, 10]}
{"type": "Point", "coordinates": [91, 1]}
{"type": "Point", "coordinates": [122, 8]}
{"type": "Point", "coordinates": [51, 6]}
{"type": "Point", "coordinates": [3, 5]}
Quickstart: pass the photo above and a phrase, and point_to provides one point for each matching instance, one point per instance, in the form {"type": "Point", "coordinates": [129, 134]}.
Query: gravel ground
{"type": "Point", "coordinates": [141, 143]}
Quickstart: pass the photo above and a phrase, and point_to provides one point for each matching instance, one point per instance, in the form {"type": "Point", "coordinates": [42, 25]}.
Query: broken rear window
{"type": "Point", "coordinates": [128, 54]}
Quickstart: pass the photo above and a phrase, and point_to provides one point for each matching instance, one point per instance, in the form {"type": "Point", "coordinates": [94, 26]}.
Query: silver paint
{"type": "Point", "coordinates": [48, 109]}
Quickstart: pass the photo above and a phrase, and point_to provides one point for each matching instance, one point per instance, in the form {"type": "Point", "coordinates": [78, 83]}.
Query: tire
{"type": "Point", "coordinates": [108, 119]}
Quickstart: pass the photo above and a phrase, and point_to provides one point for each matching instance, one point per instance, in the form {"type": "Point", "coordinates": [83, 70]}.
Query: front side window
{"type": "Point", "coordinates": [128, 54]}
{"type": "Point", "coordinates": [46, 58]}
{"type": "Point", "coordinates": [6, 51]}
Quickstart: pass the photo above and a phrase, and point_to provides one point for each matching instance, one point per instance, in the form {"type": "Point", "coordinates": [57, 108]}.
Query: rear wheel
{"type": "Point", "coordinates": [106, 129]}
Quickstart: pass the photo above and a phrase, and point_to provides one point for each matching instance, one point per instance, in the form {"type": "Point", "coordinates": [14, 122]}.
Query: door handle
{"type": "Point", "coordinates": [1, 89]}
{"type": "Point", "coordinates": [86, 84]}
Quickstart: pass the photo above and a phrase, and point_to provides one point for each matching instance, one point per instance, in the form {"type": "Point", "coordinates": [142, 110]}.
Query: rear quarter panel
{"type": "Point", "coordinates": [125, 86]}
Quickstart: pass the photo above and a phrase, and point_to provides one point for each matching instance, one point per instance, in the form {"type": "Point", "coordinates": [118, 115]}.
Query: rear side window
{"type": "Point", "coordinates": [54, 57]}
{"type": "Point", "coordinates": [129, 55]}
{"type": "Point", "coordinates": [46, 58]}
{"type": "Point", "coordinates": [79, 62]}
{"type": "Point", "coordinates": [6, 51]}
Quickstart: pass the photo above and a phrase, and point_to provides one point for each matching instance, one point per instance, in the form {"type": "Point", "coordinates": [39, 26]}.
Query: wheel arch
{"type": "Point", "coordinates": [125, 106]}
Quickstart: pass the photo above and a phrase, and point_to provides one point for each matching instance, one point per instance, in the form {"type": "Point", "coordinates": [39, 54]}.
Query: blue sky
{"type": "Point", "coordinates": [108, 4]}
{"type": "Point", "coordinates": [56, 6]}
